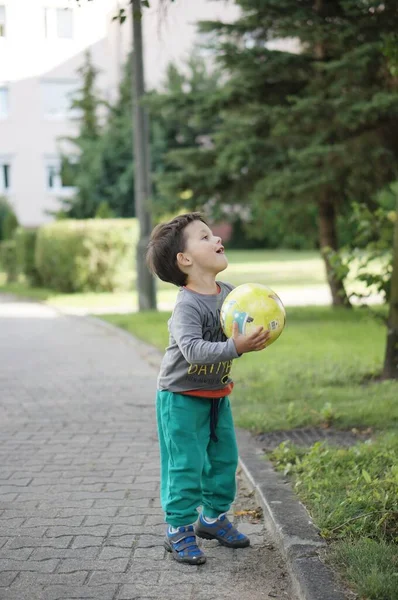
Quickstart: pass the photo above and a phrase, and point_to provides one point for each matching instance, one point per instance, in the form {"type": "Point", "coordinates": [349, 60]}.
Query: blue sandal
{"type": "Point", "coordinates": [183, 546]}
{"type": "Point", "coordinates": [223, 531]}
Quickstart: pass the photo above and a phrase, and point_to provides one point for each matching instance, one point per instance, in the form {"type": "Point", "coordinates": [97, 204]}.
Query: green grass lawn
{"type": "Point", "coordinates": [352, 495]}
{"type": "Point", "coordinates": [323, 371]}
{"type": "Point", "coordinates": [280, 269]}
{"type": "Point", "coordinates": [320, 370]}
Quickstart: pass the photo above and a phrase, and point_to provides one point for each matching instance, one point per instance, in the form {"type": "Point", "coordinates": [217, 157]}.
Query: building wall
{"type": "Point", "coordinates": [30, 62]}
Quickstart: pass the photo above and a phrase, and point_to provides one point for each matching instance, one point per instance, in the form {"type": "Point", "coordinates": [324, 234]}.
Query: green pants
{"type": "Point", "coordinates": [195, 470]}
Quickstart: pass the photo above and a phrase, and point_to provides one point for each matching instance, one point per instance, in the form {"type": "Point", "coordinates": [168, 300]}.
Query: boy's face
{"type": "Point", "coordinates": [203, 250]}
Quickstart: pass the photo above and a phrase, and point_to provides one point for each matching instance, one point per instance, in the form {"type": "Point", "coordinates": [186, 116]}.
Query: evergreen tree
{"type": "Point", "coordinates": [181, 118]}
{"type": "Point", "coordinates": [318, 126]}
{"type": "Point", "coordinates": [115, 179]}
{"type": "Point", "coordinates": [84, 172]}
{"type": "Point", "coordinates": [341, 129]}
{"type": "Point", "coordinates": [174, 124]}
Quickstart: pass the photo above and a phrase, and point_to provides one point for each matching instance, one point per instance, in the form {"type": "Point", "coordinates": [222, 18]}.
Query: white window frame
{"type": "Point", "coordinates": [5, 175]}
{"type": "Point", "coordinates": [65, 11]}
{"type": "Point", "coordinates": [3, 22]}
{"type": "Point", "coordinates": [54, 163]}
{"type": "Point", "coordinates": [64, 112]}
{"type": "Point", "coordinates": [52, 24]}
{"type": "Point", "coordinates": [5, 114]}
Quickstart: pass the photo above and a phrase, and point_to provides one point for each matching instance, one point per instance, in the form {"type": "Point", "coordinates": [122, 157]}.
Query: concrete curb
{"type": "Point", "coordinates": [291, 525]}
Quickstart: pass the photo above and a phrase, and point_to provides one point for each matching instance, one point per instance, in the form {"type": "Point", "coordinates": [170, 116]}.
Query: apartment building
{"type": "Point", "coordinates": [42, 46]}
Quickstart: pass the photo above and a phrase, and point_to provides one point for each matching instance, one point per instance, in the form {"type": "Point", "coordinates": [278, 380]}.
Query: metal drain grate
{"type": "Point", "coordinates": [309, 435]}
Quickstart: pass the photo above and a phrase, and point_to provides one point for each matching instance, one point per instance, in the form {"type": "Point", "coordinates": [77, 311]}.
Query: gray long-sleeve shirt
{"type": "Point", "coordinates": [199, 356]}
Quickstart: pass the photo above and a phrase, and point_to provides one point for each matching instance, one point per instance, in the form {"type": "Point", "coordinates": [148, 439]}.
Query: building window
{"type": "Point", "coordinates": [53, 178]}
{"type": "Point", "coordinates": [5, 177]}
{"type": "Point", "coordinates": [60, 174]}
{"type": "Point", "coordinates": [47, 21]}
{"type": "Point", "coordinates": [2, 21]}
{"type": "Point", "coordinates": [3, 102]}
{"type": "Point", "coordinates": [58, 23]}
{"type": "Point", "coordinates": [58, 97]}
{"type": "Point", "coordinates": [65, 23]}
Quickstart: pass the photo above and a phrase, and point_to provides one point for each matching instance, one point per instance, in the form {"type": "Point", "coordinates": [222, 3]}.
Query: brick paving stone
{"type": "Point", "coordinates": [81, 553]}
{"type": "Point", "coordinates": [86, 541]}
{"type": "Point", "coordinates": [42, 566]}
{"type": "Point", "coordinates": [121, 541]}
{"type": "Point", "coordinates": [9, 532]}
{"type": "Point", "coordinates": [7, 577]}
{"type": "Point", "coordinates": [8, 553]}
{"type": "Point", "coordinates": [133, 522]}
{"type": "Point", "coordinates": [96, 531]}
{"type": "Point", "coordinates": [40, 542]}
{"type": "Point", "coordinates": [93, 513]}
{"type": "Point", "coordinates": [116, 565]}
{"type": "Point", "coordinates": [61, 592]}
{"type": "Point", "coordinates": [29, 578]}
{"type": "Point", "coordinates": [9, 513]}
{"type": "Point", "coordinates": [46, 522]}
{"type": "Point", "coordinates": [156, 553]}
{"type": "Point", "coordinates": [80, 515]}
{"type": "Point", "coordinates": [135, 591]}
{"type": "Point", "coordinates": [150, 577]}
{"type": "Point", "coordinates": [111, 552]}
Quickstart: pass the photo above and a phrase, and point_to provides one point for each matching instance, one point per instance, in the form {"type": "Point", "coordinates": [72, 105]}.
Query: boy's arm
{"type": "Point", "coordinates": [186, 328]}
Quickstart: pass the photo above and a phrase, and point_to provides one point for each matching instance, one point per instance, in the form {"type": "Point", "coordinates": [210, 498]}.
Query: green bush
{"type": "Point", "coordinates": [4, 210]}
{"type": "Point", "coordinates": [9, 225]}
{"type": "Point", "coordinates": [8, 220]}
{"type": "Point", "coordinates": [25, 251]}
{"type": "Point", "coordinates": [8, 259]}
{"type": "Point", "coordinates": [86, 255]}
{"type": "Point", "coordinates": [371, 244]}
{"type": "Point", "coordinates": [104, 211]}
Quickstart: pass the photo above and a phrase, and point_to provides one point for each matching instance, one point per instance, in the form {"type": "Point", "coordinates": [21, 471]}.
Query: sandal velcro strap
{"type": "Point", "coordinates": [182, 544]}
{"type": "Point", "coordinates": [223, 531]}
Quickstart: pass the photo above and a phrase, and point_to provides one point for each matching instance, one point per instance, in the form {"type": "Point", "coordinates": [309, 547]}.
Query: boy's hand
{"type": "Point", "coordinates": [249, 343]}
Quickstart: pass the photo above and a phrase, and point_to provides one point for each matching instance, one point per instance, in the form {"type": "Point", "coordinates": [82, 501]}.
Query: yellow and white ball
{"type": "Point", "coordinates": [252, 305]}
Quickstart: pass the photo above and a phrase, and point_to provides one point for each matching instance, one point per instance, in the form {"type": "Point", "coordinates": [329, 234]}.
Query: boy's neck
{"type": "Point", "coordinates": [203, 286]}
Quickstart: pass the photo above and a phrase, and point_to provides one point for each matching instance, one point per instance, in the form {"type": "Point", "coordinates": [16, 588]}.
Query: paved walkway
{"type": "Point", "coordinates": [79, 477]}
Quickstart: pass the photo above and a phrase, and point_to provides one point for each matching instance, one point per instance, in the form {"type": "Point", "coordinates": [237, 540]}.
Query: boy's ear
{"type": "Point", "coordinates": [183, 259]}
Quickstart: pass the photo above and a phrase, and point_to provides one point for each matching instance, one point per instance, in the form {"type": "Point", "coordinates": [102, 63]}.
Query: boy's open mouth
{"type": "Point", "coordinates": [221, 250]}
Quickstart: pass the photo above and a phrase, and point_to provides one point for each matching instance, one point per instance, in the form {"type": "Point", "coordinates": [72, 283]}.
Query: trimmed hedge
{"type": "Point", "coordinates": [86, 255]}
{"type": "Point", "coordinates": [4, 210]}
{"type": "Point", "coordinates": [9, 225]}
{"type": "Point", "coordinates": [8, 259]}
{"type": "Point", "coordinates": [25, 249]}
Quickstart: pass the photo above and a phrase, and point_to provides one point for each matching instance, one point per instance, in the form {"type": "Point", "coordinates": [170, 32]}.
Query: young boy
{"type": "Point", "coordinates": [198, 448]}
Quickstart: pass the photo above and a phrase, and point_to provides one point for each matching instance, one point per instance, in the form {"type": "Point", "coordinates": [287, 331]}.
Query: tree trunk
{"type": "Point", "coordinates": [142, 188]}
{"type": "Point", "coordinates": [390, 370]}
{"type": "Point", "coordinates": [328, 240]}
{"type": "Point", "coordinates": [327, 211]}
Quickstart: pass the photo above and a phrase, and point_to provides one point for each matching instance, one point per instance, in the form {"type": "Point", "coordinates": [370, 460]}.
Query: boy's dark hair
{"type": "Point", "coordinates": [166, 241]}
